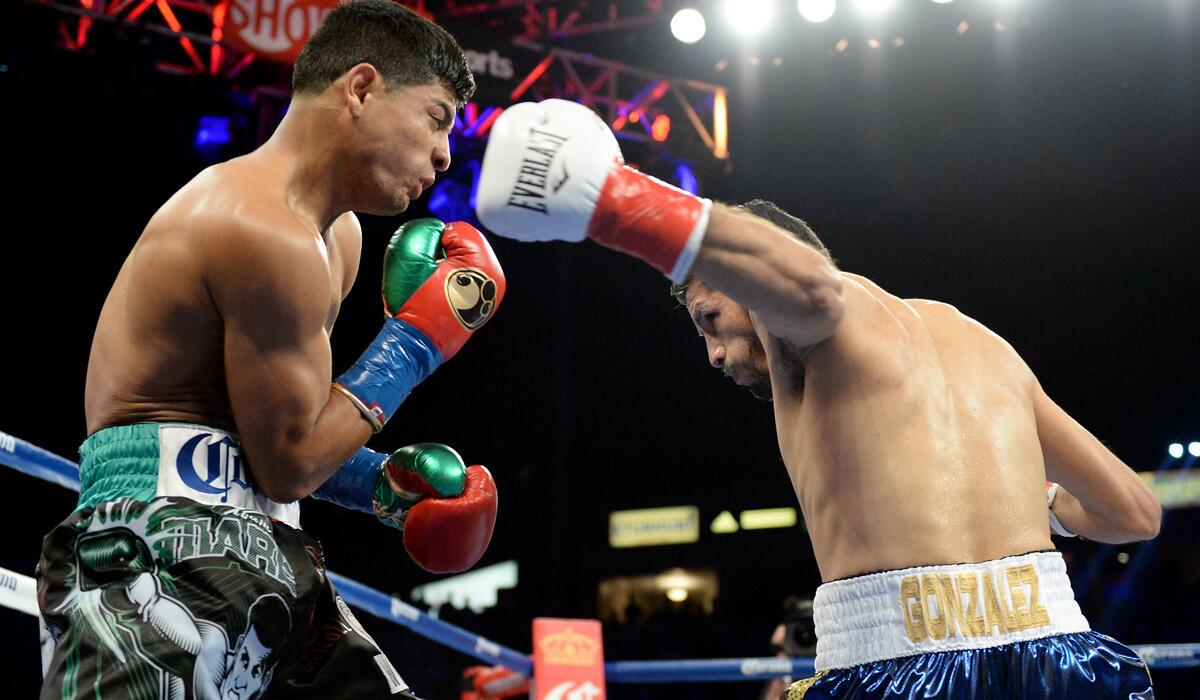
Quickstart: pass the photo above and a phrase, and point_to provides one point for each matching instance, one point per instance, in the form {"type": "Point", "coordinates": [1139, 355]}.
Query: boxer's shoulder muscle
{"type": "Point", "coordinates": [884, 340]}
{"type": "Point", "coordinates": [875, 337]}
{"type": "Point", "coordinates": [237, 225]}
{"type": "Point", "coordinates": [970, 349]}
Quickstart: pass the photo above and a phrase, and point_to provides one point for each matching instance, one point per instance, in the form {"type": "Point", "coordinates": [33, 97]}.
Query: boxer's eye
{"type": "Point", "coordinates": [442, 120]}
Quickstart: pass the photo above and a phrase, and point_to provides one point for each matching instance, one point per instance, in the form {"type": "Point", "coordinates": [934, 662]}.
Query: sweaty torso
{"type": "Point", "coordinates": [911, 440]}
{"type": "Point", "coordinates": [158, 350]}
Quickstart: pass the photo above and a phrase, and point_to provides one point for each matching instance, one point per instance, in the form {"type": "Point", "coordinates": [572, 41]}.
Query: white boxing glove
{"type": "Point", "coordinates": [553, 171]}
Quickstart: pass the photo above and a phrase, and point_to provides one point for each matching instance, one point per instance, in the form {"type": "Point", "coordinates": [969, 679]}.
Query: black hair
{"type": "Point", "coordinates": [771, 212]}
{"type": "Point", "coordinates": [404, 47]}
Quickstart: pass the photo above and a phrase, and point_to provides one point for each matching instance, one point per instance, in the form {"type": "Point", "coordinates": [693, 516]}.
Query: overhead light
{"type": "Point", "coordinates": [688, 25]}
{"type": "Point", "coordinates": [873, 7]}
{"type": "Point", "coordinates": [816, 10]}
{"type": "Point", "coordinates": [749, 17]}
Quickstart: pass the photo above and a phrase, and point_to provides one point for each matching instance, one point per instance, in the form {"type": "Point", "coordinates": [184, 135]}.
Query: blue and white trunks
{"type": "Point", "coordinates": [1008, 628]}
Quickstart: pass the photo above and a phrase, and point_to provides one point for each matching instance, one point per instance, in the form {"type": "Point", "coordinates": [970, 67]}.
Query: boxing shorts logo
{"type": "Point", "coordinates": [972, 603]}
{"type": "Point", "coordinates": [205, 465]}
{"type": "Point", "coordinates": [472, 295]}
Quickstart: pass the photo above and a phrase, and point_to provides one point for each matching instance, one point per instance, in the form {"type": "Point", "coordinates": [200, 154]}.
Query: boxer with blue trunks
{"type": "Point", "coordinates": [1008, 628]}
{"type": "Point", "coordinates": [212, 407]}
{"type": "Point", "coordinates": [917, 441]}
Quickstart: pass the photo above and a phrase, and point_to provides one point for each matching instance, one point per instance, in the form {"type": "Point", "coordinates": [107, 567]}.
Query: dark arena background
{"type": "Point", "coordinates": [1036, 163]}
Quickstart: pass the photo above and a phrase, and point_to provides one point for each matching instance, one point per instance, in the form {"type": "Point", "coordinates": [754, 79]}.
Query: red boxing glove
{"type": "Point", "coordinates": [449, 535]}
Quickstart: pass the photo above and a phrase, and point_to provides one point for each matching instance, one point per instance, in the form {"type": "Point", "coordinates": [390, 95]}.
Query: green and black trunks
{"type": "Point", "coordinates": [149, 594]}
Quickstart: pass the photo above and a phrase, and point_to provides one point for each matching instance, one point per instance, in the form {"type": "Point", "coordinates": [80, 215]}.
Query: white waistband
{"type": "Point", "coordinates": [205, 465]}
{"type": "Point", "coordinates": [939, 608]}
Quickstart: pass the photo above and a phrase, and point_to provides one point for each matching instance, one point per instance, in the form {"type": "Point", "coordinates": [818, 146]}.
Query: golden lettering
{"type": "Point", "coordinates": [1016, 591]}
{"type": "Point", "coordinates": [940, 605]}
{"type": "Point", "coordinates": [955, 619]}
{"type": "Point", "coordinates": [1038, 615]}
{"type": "Point", "coordinates": [968, 585]}
{"type": "Point", "coordinates": [996, 615]}
{"type": "Point", "coordinates": [935, 624]}
{"type": "Point", "coordinates": [910, 603]}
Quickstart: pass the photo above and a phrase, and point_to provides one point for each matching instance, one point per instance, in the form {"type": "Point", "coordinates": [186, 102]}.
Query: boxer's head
{"type": "Point", "coordinates": [733, 346]}
{"type": "Point", "coordinates": [392, 82]}
{"type": "Point", "coordinates": [729, 336]}
{"type": "Point", "coordinates": [254, 655]}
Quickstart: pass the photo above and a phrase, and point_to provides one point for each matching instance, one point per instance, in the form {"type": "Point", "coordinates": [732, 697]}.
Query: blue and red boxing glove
{"type": "Point", "coordinates": [446, 510]}
{"type": "Point", "coordinates": [441, 283]}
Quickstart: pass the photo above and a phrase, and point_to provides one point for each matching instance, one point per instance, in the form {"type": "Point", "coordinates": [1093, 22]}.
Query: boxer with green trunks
{"type": "Point", "coordinates": [212, 409]}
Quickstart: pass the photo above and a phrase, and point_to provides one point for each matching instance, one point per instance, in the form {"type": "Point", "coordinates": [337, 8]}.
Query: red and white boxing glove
{"type": "Point", "coordinates": [553, 171]}
{"type": "Point", "coordinates": [1056, 526]}
{"type": "Point", "coordinates": [449, 535]}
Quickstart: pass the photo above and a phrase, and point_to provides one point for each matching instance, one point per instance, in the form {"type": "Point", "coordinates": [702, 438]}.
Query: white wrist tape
{"type": "Point", "coordinates": [1056, 525]}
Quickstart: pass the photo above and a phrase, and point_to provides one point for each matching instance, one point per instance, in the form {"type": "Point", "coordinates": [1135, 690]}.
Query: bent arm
{"type": "Point", "coordinates": [273, 294]}
{"type": "Point", "coordinates": [1101, 498]}
{"type": "Point", "coordinates": [794, 290]}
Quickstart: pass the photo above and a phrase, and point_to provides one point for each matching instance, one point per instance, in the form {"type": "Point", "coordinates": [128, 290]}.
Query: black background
{"type": "Point", "coordinates": [1045, 179]}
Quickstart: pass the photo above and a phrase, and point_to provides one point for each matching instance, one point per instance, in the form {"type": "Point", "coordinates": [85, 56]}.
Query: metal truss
{"type": "Point", "coordinates": [634, 101]}
{"type": "Point", "coordinates": [557, 19]}
{"type": "Point", "coordinates": [195, 26]}
{"type": "Point", "coordinates": [638, 105]}
{"type": "Point", "coordinates": [202, 22]}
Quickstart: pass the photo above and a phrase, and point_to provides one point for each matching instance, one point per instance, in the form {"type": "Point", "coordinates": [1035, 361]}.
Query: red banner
{"type": "Point", "coordinates": [568, 659]}
{"type": "Point", "coordinates": [275, 29]}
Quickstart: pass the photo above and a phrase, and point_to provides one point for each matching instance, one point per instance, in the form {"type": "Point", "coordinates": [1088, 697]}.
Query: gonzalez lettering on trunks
{"type": "Point", "coordinates": [971, 604]}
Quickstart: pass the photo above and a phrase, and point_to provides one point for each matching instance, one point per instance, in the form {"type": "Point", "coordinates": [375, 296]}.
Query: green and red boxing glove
{"type": "Point", "coordinates": [446, 510]}
{"type": "Point", "coordinates": [441, 283]}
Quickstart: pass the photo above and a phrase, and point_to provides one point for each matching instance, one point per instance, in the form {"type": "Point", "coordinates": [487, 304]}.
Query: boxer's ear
{"type": "Point", "coordinates": [361, 80]}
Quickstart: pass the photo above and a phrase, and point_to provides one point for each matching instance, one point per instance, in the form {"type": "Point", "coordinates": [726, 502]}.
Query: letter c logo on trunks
{"type": "Point", "coordinates": [224, 466]}
{"type": "Point", "coordinates": [205, 465]}
{"type": "Point", "coordinates": [472, 295]}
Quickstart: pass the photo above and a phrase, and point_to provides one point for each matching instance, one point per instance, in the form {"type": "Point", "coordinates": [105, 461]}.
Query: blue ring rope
{"type": "Point", "coordinates": [34, 461]}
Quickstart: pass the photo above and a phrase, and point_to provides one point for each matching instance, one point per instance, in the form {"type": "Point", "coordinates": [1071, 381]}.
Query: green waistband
{"type": "Point", "coordinates": [119, 462]}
